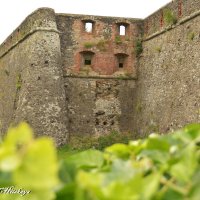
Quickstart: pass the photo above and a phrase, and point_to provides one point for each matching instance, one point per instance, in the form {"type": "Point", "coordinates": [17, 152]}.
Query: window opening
{"type": "Point", "coordinates": [121, 61]}
{"type": "Point", "coordinates": [88, 27]}
{"type": "Point", "coordinates": [122, 30]}
{"type": "Point", "coordinates": [121, 65]}
{"type": "Point", "coordinates": [87, 62]}
{"type": "Point", "coordinates": [87, 58]}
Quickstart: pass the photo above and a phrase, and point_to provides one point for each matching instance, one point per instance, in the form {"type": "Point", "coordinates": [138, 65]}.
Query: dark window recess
{"type": "Point", "coordinates": [87, 57]}
{"type": "Point", "coordinates": [121, 60]}
{"type": "Point", "coordinates": [121, 65]}
{"type": "Point", "coordinates": [87, 62]}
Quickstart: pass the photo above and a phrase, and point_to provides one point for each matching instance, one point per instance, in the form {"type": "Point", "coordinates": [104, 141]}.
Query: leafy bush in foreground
{"type": "Point", "coordinates": [158, 168]}
{"type": "Point", "coordinates": [27, 164]}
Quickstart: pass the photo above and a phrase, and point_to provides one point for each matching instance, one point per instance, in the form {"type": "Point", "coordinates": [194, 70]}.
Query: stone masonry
{"type": "Point", "coordinates": [68, 74]}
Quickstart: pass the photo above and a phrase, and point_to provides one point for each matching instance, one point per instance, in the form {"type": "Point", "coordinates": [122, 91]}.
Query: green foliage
{"type": "Point", "coordinates": [138, 47]}
{"type": "Point", "coordinates": [191, 36]}
{"type": "Point", "coordinates": [79, 143]}
{"type": "Point", "coordinates": [29, 164]}
{"type": "Point", "coordinates": [158, 49]}
{"type": "Point", "coordinates": [101, 45]}
{"type": "Point", "coordinates": [160, 167]}
{"type": "Point", "coordinates": [169, 17]}
{"type": "Point", "coordinates": [112, 138]}
{"type": "Point", "coordinates": [19, 82]}
{"type": "Point", "coordinates": [88, 45]}
{"type": "Point", "coordinates": [157, 168]}
{"type": "Point", "coordinates": [138, 107]}
{"type": "Point", "coordinates": [118, 40]}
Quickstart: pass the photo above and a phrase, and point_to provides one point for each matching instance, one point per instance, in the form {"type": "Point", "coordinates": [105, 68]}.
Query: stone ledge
{"type": "Point", "coordinates": [26, 36]}
{"type": "Point", "coordinates": [182, 21]}
{"type": "Point", "coordinates": [100, 77]}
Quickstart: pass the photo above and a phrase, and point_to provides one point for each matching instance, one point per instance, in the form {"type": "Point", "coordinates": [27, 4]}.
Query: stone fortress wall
{"type": "Point", "coordinates": [168, 86]}
{"type": "Point", "coordinates": [98, 94]}
{"type": "Point", "coordinates": [32, 85]}
{"type": "Point", "coordinates": [65, 80]}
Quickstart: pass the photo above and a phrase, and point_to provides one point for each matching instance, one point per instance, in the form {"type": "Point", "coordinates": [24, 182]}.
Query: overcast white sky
{"type": "Point", "coordinates": [13, 12]}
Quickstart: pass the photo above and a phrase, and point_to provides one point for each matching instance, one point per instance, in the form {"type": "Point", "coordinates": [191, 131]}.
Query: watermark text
{"type": "Point", "coordinates": [13, 190]}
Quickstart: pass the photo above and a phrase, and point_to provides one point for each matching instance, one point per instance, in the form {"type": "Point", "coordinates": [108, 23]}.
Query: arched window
{"type": "Point", "coordinates": [122, 30]}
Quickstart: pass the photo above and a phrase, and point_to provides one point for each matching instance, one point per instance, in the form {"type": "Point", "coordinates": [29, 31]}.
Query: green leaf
{"type": "Point", "coordinates": [195, 189]}
{"type": "Point", "coordinates": [67, 171]}
{"type": "Point", "coordinates": [39, 169]}
{"type": "Point", "coordinates": [157, 143]}
{"type": "Point", "coordinates": [66, 192]}
{"type": "Point", "coordinates": [193, 130]}
{"type": "Point", "coordinates": [185, 167]}
{"type": "Point", "coordinates": [150, 185]}
{"type": "Point", "coordinates": [14, 145]}
{"type": "Point", "coordinates": [136, 146]}
{"type": "Point", "coordinates": [171, 195]}
{"type": "Point", "coordinates": [119, 150]}
{"type": "Point", "coordinates": [83, 160]}
{"type": "Point", "coordinates": [121, 171]}
{"type": "Point", "coordinates": [5, 179]}
{"type": "Point", "coordinates": [89, 186]}
{"type": "Point", "coordinates": [131, 190]}
{"type": "Point", "coordinates": [21, 135]}
{"type": "Point", "coordinates": [87, 159]}
{"type": "Point", "coordinates": [157, 156]}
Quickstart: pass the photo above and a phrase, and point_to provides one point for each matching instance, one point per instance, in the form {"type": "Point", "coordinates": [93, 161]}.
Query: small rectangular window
{"type": "Point", "coordinates": [121, 60]}
{"type": "Point", "coordinates": [88, 27]}
{"type": "Point", "coordinates": [87, 62]}
{"type": "Point", "coordinates": [121, 65]}
{"type": "Point", "coordinates": [87, 57]}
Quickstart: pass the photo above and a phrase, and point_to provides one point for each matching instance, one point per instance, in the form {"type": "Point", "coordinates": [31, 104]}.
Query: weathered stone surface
{"type": "Point", "coordinates": [97, 106]}
{"type": "Point", "coordinates": [31, 83]}
{"type": "Point", "coordinates": [177, 10]}
{"type": "Point", "coordinates": [66, 81]}
{"type": "Point", "coordinates": [168, 87]}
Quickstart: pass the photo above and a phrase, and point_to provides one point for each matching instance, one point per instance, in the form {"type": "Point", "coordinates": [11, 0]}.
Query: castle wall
{"type": "Point", "coordinates": [65, 80]}
{"type": "Point", "coordinates": [31, 83]}
{"type": "Point", "coordinates": [168, 74]}
{"type": "Point", "coordinates": [99, 96]}
{"type": "Point", "coordinates": [175, 12]}
{"type": "Point", "coordinates": [104, 42]}
{"type": "Point", "coordinates": [99, 105]}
